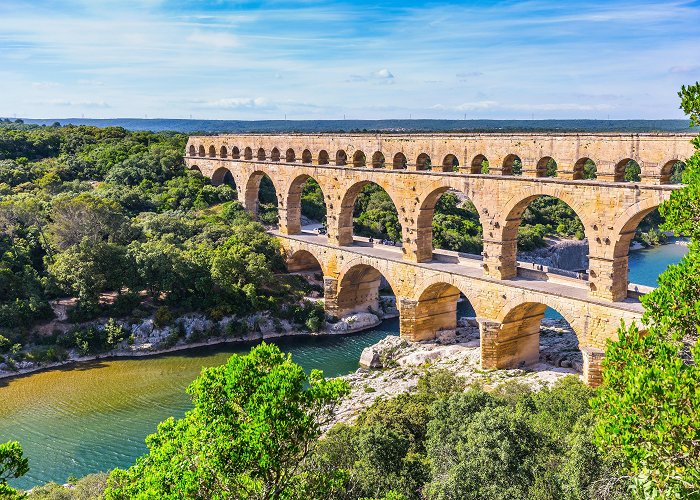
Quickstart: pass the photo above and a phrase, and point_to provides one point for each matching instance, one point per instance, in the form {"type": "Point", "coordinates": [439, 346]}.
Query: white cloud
{"type": "Point", "coordinates": [214, 39]}
{"type": "Point", "coordinates": [74, 104]}
{"type": "Point", "coordinates": [237, 103]}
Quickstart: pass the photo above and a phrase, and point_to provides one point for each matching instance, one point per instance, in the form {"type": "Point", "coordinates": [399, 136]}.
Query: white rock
{"type": "Point", "coordinates": [370, 358]}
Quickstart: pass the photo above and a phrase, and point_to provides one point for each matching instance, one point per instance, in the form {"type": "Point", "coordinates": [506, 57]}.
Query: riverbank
{"type": "Point", "coordinates": [393, 365]}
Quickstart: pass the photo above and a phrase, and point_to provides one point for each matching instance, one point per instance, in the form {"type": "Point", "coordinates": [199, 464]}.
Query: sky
{"type": "Point", "coordinates": [358, 59]}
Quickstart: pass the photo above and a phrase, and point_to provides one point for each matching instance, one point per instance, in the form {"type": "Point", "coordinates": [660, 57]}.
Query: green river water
{"type": "Point", "coordinates": [94, 416]}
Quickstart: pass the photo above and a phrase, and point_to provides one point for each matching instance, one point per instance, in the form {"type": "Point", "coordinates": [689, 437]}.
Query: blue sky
{"type": "Point", "coordinates": [359, 59]}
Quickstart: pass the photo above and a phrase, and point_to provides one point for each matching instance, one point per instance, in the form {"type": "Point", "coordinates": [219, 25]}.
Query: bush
{"type": "Point", "coordinates": [162, 317]}
{"type": "Point", "coordinates": [124, 304]}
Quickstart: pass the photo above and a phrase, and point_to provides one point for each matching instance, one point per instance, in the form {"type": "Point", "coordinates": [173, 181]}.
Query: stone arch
{"type": "Point", "coordinates": [514, 341]}
{"type": "Point", "coordinates": [585, 168]}
{"type": "Point", "coordinates": [477, 165]}
{"type": "Point", "coordinates": [261, 156]}
{"type": "Point", "coordinates": [512, 165]}
{"type": "Point", "coordinates": [423, 162]}
{"type": "Point", "coordinates": [400, 162]}
{"type": "Point", "coordinates": [347, 207]}
{"type": "Point", "coordinates": [223, 152]}
{"type": "Point", "coordinates": [223, 175]}
{"type": "Point", "coordinates": [212, 151]}
{"type": "Point", "coordinates": [275, 155]}
{"type": "Point", "coordinates": [630, 168]}
{"type": "Point", "coordinates": [235, 153]}
{"type": "Point", "coordinates": [667, 172]}
{"type": "Point", "coordinates": [252, 191]}
{"type": "Point", "coordinates": [450, 163]}
{"type": "Point", "coordinates": [341, 158]}
{"type": "Point", "coordinates": [358, 288]}
{"type": "Point", "coordinates": [359, 159]}
{"type": "Point", "coordinates": [290, 156]}
{"type": "Point", "coordinates": [202, 151]}
{"type": "Point", "coordinates": [378, 160]}
{"type": "Point", "coordinates": [547, 167]}
{"type": "Point", "coordinates": [195, 167]}
{"type": "Point", "coordinates": [424, 223]}
{"type": "Point", "coordinates": [505, 245]}
{"type": "Point", "coordinates": [306, 156]}
{"type": "Point", "coordinates": [193, 150]}
{"type": "Point", "coordinates": [248, 153]}
{"type": "Point", "coordinates": [293, 202]}
{"type": "Point", "coordinates": [323, 158]}
{"type": "Point", "coordinates": [304, 260]}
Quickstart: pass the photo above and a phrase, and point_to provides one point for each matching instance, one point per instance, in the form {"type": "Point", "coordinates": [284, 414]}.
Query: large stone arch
{"type": "Point", "coordinates": [305, 260]}
{"type": "Point", "coordinates": [424, 221]}
{"type": "Point", "coordinates": [223, 175]}
{"type": "Point", "coordinates": [252, 188]}
{"type": "Point", "coordinates": [358, 286]}
{"type": "Point", "coordinates": [344, 230]}
{"type": "Point", "coordinates": [512, 340]}
{"type": "Point", "coordinates": [292, 202]}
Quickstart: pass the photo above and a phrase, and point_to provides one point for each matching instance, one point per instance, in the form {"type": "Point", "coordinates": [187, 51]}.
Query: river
{"type": "Point", "coordinates": [94, 416]}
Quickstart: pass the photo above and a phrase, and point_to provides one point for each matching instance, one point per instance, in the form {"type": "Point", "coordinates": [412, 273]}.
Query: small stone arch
{"type": "Point", "coordinates": [223, 175]}
{"type": "Point", "coordinates": [248, 153]}
{"type": "Point", "coordinates": [450, 163]}
{"type": "Point", "coordinates": [306, 156]}
{"type": "Point", "coordinates": [378, 160]}
{"type": "Point", "coordinates": [347, 207]}
{"type": "Point", "coordinates": [293, 202]}
{"type": "Point", "coordinates": [358, 288]}
{"type": "Point", "coordinates": [671, 173]}
{"type": "Point", "coordinates": [212, 151]}
{"type": "Point", "coordinates": [323, 157]}
{"type": "Point", "coordinates": [261, 155]}
{"type": "Point", "coordinates": [547, 167]}
{"type": "Point", "coordinates": [202, 151]}
{"type": "Point", "coordinates": [585, 168]}
{"type": "Point", "coordinates": [275, 155]}
{"type": "Point", "coordinates": [628, 170]}
{"type": "Point", "coordinates": [359, 159]}
{"type": "Point", "coordinates": [400, 162]}
{"type": "Point", "coordinates": [423, 162]}
{"type": "Point", "coordinates": [196, 168]}
{"type": "Point", "coordinates": [512, 165]}
{"type": "Point", "coordinates": [193, 150]}
{"type": "Point", "coordinates": [290, 156]}
{"type": "Point", "coordinates": [252, 190]}
{"type": "Point", "coordinates": [303, 260]}
{"type": "Point", "coordinates": [223, 152]}
{"type": "Point", "coordinates": [341, 158]}
{"type": "Point", "coordinates": [479, 162]}
{"type": "Point", "coordinates": [235, 153]}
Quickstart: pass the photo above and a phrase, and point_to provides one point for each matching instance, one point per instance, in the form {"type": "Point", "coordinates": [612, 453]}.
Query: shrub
{"type": "Point", "coordinates": [162, 317]}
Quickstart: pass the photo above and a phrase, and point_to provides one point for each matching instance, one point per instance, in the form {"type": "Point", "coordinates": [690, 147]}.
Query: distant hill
{"type": "Point", "coordinates": [310, 126]}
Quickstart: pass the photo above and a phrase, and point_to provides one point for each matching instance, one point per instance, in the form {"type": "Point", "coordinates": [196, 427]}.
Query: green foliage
{"type": "Point", "coordinates": [690, 102]}
{"type": "Point", "coordinates": [650, 395]}
{"type": "Point", "coordinates": [255, 420]}
{"type": "Point", "coordinates": [13, 464]}
{"type": "Point", "coordinates": [90, 487]}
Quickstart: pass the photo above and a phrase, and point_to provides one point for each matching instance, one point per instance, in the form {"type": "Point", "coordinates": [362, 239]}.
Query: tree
{"type": "Point", "coordinates": [13, 464]}
{"type": "Point", "coordinates": [254, 422]}
{"type": "Point", "coordinates": [651, 380]}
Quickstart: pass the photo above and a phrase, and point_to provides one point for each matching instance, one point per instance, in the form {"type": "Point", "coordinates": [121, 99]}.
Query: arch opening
{"type": "Point", "coordinates": [378, 160]}
{"type": "Point", "coordinates": [374, 214]}
{"type": "Point", "coordinates": [202, 151]}
{"type": "Point", "coordinates": [223, 176]}
{"type": "Point", "coordinates": [400, 162]}
{"type": "Point", "coordinates": [547, 167]}
{"type": "Point", "coordinates": [532, 333]}
{"type": "Point", "coordinates": [306, 206]}
{"type": "Point", "coordinates": [448, 220]}
{"type": "Point", "coordinates": [586, 169]}
{"type": "Point", "coordinates": [441, 310]}
{"type": "Point", "coordinates": [628, 170]}
{"type": "Point", "coordinates": [480, 165]}
{"type": "Point", "coordinates": [672, 172]}
{"type": "Point", "coordinates": [248, 153]}
{"type": "Point", "coordinates": [275, 155]}
{"type": "Point", "coordinates": [261, 155]}
{"type": "Point", "coordinates": [261, 198]}
{"type": "Point", "coordinates": [193, 150]}
{"type": "Point", "coordinates": [450, 163]}
{"type": "Point", "coordinates": [235, 153]}
{"type": "Point", "coordinates": [303, 261]}
{"type": "Point", "coordinates": [323, 158]}
{"type": "Point", "coordinates": [512, 165]}
{"type": "Point", "coordinates": [223, 152]}
{"type": "Point", "coordinates": [341, 158]}
{"type": "Point", "coordinates": [212, 152]}
{"type": "Point", "coordinates": [363, 289]}
{"type": "Point", "coordinates": [423, 162]}
{"type": "Point", "coordinates": [306, 156]}
{"type": "Point", "coordinates": [359, 159]}
{"type": "Point", "coordinates": [290, 156]}
{"type": "Point", "coordinates": [195, 168]}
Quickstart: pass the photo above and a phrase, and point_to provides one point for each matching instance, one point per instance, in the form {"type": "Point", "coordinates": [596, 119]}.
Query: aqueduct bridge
{"type": "Point", "coordinates": [415, 170]}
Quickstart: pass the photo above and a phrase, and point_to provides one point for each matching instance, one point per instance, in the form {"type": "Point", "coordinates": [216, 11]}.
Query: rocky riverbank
{"type": "Point", "coordinates": [393, 365]}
